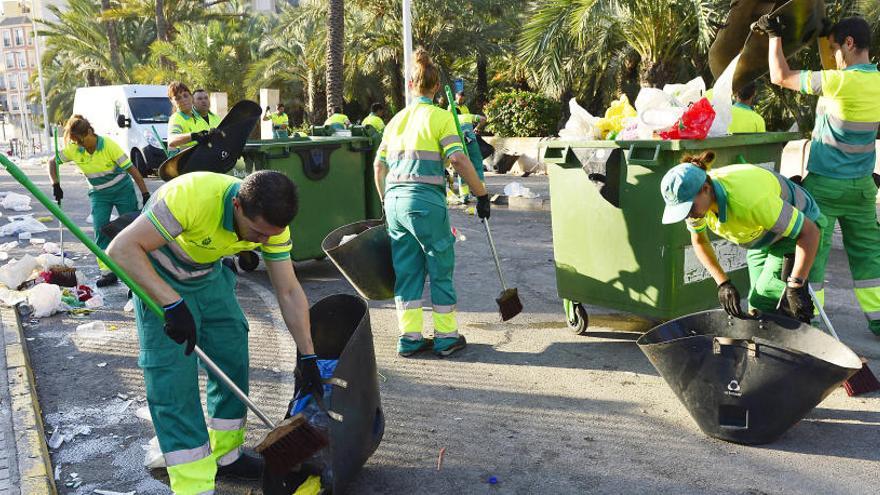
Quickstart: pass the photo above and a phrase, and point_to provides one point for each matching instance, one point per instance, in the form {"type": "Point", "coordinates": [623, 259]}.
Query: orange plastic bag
{"type": "Point", "coordinates": [694, 123]}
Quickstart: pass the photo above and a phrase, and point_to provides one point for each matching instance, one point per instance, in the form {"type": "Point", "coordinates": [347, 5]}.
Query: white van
{"type": "Point", "coordinates": [128, 114]}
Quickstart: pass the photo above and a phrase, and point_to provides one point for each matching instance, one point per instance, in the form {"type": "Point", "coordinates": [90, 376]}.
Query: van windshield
{"type": "Point", "coordinates": [150, 110]}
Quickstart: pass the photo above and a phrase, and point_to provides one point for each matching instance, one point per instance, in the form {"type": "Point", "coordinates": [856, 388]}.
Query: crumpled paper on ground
{"type": "Point", "coordinates": [516, 189]}
{"type": "Point", "coordinates": [16, 202]}
{"type": "Point", "coordinates": [45, 299]}
{"type": "Point", "coordinates": [20, 224]}
{"type": "Point", "coordinates": [15, 272]}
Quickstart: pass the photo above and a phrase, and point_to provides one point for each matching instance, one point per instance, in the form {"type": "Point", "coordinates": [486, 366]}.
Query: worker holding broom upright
{"type": "Point", "coordinates": [755, 208]}
{"type": "Point", "coordinates": [409, 176]}
{"type": "Point", "coordinates": [108, 171]}
{"type": "Point", "coordinates": [842, 151]}
{"type": "Point", "coordinates": [173, 251]}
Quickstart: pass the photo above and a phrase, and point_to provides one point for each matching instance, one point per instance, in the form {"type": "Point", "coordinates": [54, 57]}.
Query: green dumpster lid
{"type": "Point", "coordinates": [690, 144]}
{"type": "Point", "coordinates": [304, 142]}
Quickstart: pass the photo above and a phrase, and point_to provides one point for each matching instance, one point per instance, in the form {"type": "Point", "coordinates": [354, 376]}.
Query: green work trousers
{"type": "Point", "coordinates": [422, 244]}
{"type": "Point", "coordinates": [192, 448]}
{"type": "Point", "coordinates": [852, 203]}
{"type": "Point", "coordinates": [122, 197]}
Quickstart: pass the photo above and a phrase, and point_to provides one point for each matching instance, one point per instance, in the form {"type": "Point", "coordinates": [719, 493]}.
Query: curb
{"type": "Point", "coordinates": [34, 463]}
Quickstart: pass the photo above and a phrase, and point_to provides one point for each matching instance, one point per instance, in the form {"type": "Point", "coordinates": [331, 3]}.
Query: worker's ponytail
{"type": "Point", "coordinates": [704, 160]}
{"type": "Point", "coordinates": [425, 76]}
{"type": "Point", "coordinates": [77, 126]}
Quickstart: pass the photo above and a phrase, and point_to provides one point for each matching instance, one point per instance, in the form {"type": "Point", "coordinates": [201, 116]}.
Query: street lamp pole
{"type": "Point", "coordinates": [40, 76]}
{"type": "Point", "coordinates": [407, 46]}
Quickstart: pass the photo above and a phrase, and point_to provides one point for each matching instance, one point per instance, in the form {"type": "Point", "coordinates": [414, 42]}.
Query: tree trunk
{"type": "Point", "coordinates": [335, 52]}
{"type": "Point", "coordinates": [161, 22]}
{"type": "Point", "coordinates": [656, 74]}
{"type": "Point", "coordinates": [112, 42]}
{"type": "Point", "coordinates": [312, 97]}
{"type": "Point", "coordinates": [398, 96]}
{"type": "Point", "coordinates": [482, 89]}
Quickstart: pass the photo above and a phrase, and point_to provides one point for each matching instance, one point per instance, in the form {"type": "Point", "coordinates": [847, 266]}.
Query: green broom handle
{"type": "Point", "coordinates": [159, 138]}
{"type": "Point", "coordinates": [454, 107]}
{"type": "Point", "coordinates": [209, 363]}
{"type": "Point", "coordinates": [23, 179]}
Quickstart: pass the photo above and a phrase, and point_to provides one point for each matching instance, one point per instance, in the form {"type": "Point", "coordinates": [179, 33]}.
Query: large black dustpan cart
{"type": "Point", "coordinates": [747, 381]}
{"type": "Point", "coordinates": [364, 258]}
{"type": "Point", "coordinates": [341, 330]}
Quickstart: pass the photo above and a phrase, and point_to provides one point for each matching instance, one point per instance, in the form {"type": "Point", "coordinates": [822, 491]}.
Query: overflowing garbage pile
{"type": "Point", "coordinates": [678, 111]}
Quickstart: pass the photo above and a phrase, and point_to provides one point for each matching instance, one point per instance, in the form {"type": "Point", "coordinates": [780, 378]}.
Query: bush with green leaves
{"type": "Point", "coordinates": [522, 114]}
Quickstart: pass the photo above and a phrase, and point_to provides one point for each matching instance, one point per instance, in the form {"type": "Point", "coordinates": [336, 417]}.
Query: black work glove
{"type": "Point", "coordinates": [876, 179]}
{"type": "Point", "coordinates": [771, 26]}
{"type": "Point", "coordinates": [311, 375]}
{"type": "Point", "coordinates": [201, 137]}
{"type": "Point", "coordinates": [57, 192]}
{"type": "Point", "coordinates": [146, 197]}
{"type": "Point", "coordinates": [180, 326]}
{"type": "Point", "coordinates": [230, 263]}
{"type": "Point", "coordinates": [483, 206]}
{"type": "Point", "coordinates": [800, 305]}
{"type": "Point", "coordinates": [729, 298]}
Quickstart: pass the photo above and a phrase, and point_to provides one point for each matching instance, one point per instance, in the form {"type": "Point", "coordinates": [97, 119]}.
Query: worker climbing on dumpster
{"type": "Point", "coordinates": [109, 173]}
{"type": "Point", "coordinates": [410, 179]}
{"type": "Point", "coordinates": [764, 212]}
{"type": "Point", "coordinates": [842, 150]}
{"type": "Point", "coordinates": [174, 251]}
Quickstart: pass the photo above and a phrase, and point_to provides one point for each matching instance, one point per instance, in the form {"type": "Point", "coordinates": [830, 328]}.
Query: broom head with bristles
{"type": "Point", "coordinates": [64, 276]}
{"type": "Point", "coordinates": [509, 304]}
{"type": "Point", "coordinates": [291, 443]}
{"type": "Point", "coordinates": [862, 382]}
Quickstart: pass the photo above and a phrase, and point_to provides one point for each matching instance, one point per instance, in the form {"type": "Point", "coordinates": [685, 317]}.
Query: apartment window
{"type": "Point", "coordinates": [13, 82]}
{"type": "Point", "coordinates": [31, 56]}
{"type": "Point", "coordinates": [30, 37]}
{"type": "Point", "coordinates": [13, 103]}
{"type": "Point", "coordinates": [10, 61]}
{"type": "Point", "coordinates": [25, 81]}
{"type": "Point", "coordinates": [7, 38]}
{"type": "Point", "coordinates": [22, 60]}
{"type": "Point", "coordinates": [2, 83]}
{"type": "Point", "coordinates": [19, 36]}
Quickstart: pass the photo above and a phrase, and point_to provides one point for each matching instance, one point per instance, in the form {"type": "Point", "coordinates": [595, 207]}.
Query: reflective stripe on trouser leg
{"type": "Point", "coordinates": [120, 196]}
{"type": "Point", "coordinates": [227, 345]}
{"type": "Point", "coordinates": [869, 300]}
{"type": "Point", "coordinates": [445, 324]}
{"type": "Point", "coordinates": [409, 318]}
{"type": "Point", "coordinates": [193, 477]}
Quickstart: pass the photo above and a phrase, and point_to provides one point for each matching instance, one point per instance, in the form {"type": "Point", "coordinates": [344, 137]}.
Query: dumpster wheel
{"type": "Point", "coordinates": [576, 317]}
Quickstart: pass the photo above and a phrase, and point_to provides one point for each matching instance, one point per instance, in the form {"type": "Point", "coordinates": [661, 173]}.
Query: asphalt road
{"type": "Point", "coordinates": [541, 409]}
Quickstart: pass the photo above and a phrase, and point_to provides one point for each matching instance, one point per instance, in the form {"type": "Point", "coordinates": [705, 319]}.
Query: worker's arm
{"type": "Point", "coordinates": [380, 171]}
{"type": "Point", "coordinates": [466, 170]}
{"type": "Point", "coordinates": [706, 254]}
{"type": "Point", "coordinates": [177, 140]}
{"type": "Point", "coordinates": [129, 250]}
{"type": "Point", "coordinates": [53, 174]}
{"type": "Point", "coordinates": [780, 72]}
{"type": "Point", "coordinates": [805, 252]}
{"type": "Point", "coordinates": [138, 179]}
{"type": "Point", "coordinates": [293, 303]}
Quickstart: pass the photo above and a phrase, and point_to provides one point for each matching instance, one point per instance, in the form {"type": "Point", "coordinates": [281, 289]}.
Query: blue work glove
{"type": "Point", "coordinates": [180, 325]}
{"type": "Point", "coordinates": [311, 375]}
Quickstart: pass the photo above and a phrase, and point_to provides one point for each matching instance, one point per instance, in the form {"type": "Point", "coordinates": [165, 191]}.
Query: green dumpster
{"type": "Point", "coordinates": [331, 174]}
{"type": "Point", "coordinates": [609, 245]}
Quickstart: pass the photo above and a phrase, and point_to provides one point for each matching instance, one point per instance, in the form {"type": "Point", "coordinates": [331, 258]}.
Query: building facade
{"type": "Point", "coordinates": [18, 61]}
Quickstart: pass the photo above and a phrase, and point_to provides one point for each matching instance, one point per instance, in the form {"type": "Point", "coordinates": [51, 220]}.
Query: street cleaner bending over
{"type": "Point", "coordinates": [760, 210]}
{"type": "Point", "coordinates": [109, 173]}
{"type": "Point", "coordinates": [174, 253]}
{"type": "Point", "coordinates": [409, 177]}
{"type": "Point", "coordinates": [843, 150]}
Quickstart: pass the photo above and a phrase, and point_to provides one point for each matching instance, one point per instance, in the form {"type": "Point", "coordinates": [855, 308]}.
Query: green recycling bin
{"type": "Point", "coordinates": [609, 246]}
{"type": "Point", "coordinates": [331, 174]}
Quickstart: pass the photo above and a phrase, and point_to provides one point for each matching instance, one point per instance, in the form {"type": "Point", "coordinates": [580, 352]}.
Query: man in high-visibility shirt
{"type": "Point", "coordinates": [280, 122]}
{"type": "Point", "coordinates": [338, 120]}
{"type": "Point", "coordinates": [173, 252]}
{"type": "Point", "coordinates": [842, 150]}
{"type": "Point", "coordinates": [185, 127]}
{"type": "Point", "coordinates": [459, 104]}
{"type": "Point", "coordinates": [745, 118]}
{"type": "Point", "coordinates": [107, 169]}
{"type": "Point", "coordinates": [376, 117]}
{"type": "Point", "coordinates": [202, 105]}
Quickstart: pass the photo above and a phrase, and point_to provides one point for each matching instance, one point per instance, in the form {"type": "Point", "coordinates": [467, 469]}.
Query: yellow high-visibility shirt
{"type": "Point", "coordinates": [104, 168]}
{"type": "Point", "coordinates": [745, 120]}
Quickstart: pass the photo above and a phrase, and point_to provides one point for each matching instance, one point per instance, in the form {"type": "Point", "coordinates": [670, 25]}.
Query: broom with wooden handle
{"type": "Point", "coordinates": [289, 443]}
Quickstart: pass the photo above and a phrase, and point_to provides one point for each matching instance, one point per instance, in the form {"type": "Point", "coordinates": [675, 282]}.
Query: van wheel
{"type": "Point", "coordinates": [139, 162]}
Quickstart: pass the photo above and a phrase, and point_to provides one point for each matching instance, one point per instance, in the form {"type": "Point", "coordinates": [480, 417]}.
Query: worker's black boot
{"type": "Point", "coordinates": [248, 466]}
{"type": "Point", "coordinates": [107, 279]}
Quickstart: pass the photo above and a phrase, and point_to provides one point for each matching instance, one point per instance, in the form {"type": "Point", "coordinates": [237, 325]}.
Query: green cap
{"type": "Point", "coordinates": [680, 187]}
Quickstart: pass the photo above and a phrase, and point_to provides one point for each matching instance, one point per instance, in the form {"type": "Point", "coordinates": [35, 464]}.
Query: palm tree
{"type": "Point", "coordinates": [112, 39]}
{"type": "Point", "coordinates": [335, 51]}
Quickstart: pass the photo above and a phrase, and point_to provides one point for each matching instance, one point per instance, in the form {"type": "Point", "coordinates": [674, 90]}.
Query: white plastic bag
{"type": "Point", "coordinates": [16, 202]}
{"type": "Point", "coordinates": [12, 274]}
{"type": "Point", "coordinates": [581, 123]}
{"type": "Point", "coordinates": [153, 458]}
{"type": "Point", "coordinates": [48, 260]}
{"type": "Point", "coordinates": [657, 110]}
{"type": "Point", "coordinates": [23, 224]}
{"type": "Point", "coordinates": [687, 93]}
{"type": "Point", "coordinates": [45, 299]}
{"type": "Point", "coordinates": [722, 101]}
